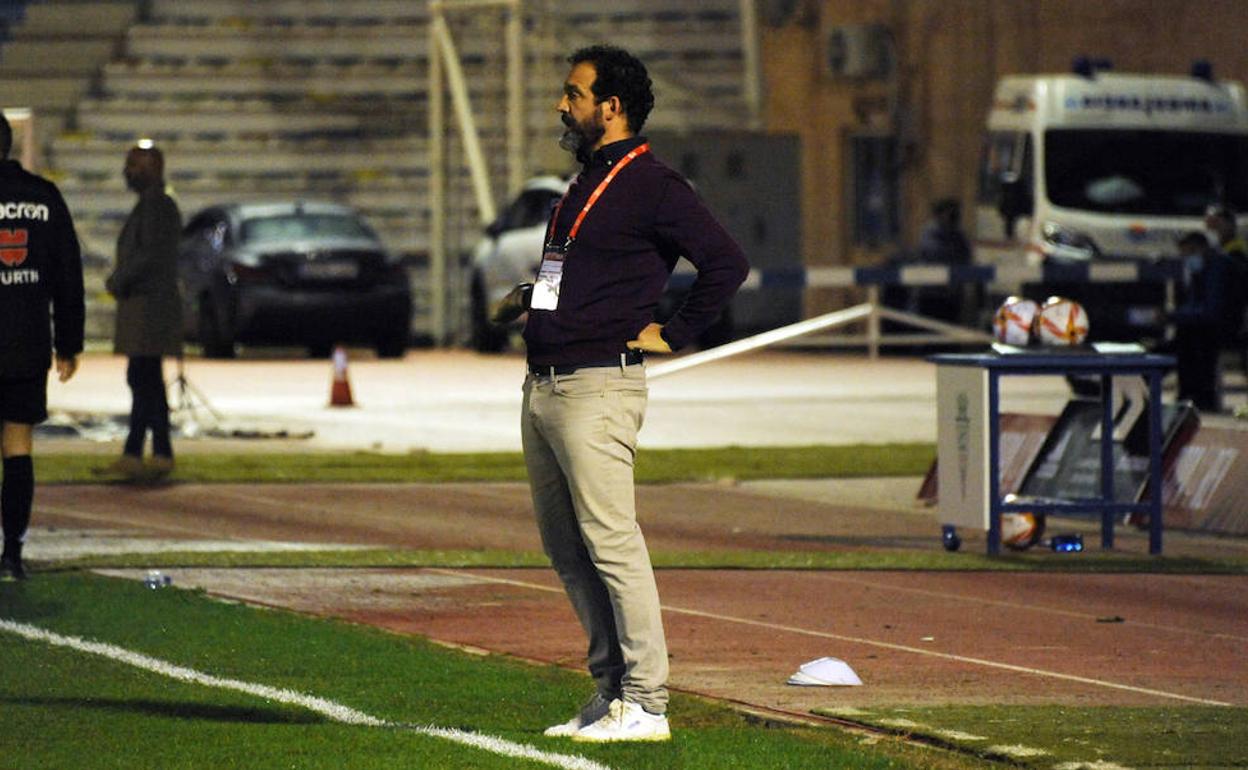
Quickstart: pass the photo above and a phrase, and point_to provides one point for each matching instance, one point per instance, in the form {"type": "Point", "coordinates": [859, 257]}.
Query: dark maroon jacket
{"type": "Point", "coordinates": [40, 275]}
{"type": "Point", "coordinates": [616, 270]}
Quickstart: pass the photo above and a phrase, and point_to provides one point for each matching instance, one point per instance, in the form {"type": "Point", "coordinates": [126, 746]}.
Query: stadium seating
{"type": "Point", "coordinates": [255, 99]}
{"type": "Point", "coordinates": [48, 58]}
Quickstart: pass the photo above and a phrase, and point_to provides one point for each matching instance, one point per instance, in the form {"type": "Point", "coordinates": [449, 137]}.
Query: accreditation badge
{"type": "Point", "coordinates": [549, 277]}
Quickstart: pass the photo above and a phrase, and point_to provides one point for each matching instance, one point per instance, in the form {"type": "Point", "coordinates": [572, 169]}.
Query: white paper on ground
{"type": "Point", "coordinates": [825, 672]}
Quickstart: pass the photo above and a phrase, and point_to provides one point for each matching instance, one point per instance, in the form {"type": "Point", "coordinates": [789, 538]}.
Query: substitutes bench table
{"type": "Point", "coordinates": [968, 433]}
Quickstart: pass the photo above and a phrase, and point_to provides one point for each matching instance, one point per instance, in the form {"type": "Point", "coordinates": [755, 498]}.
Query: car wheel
{"type": "Point", "coordinates": [213, 338]}
{"type": "Point", "coordinates": [486, 337]}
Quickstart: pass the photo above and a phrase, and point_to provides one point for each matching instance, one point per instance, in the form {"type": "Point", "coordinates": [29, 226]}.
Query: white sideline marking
{"type": "Point", "coordinates": [890, 646]}
{"type": "Point", "coordinates": [335, 711]}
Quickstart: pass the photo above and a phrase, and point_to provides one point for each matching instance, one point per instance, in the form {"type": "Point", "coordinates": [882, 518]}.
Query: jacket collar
{"type": "Point", "coordinates": [610, 154]}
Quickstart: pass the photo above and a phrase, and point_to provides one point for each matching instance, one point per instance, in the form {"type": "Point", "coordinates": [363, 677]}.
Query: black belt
{"type": "Point", "coordinates": [631, 358]}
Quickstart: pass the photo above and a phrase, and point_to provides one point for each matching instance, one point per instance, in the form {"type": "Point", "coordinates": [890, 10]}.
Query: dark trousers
{"type": "Point", "coordinates": [149, 408]}
{"type": "Point", "coordinates": [1196, 349]}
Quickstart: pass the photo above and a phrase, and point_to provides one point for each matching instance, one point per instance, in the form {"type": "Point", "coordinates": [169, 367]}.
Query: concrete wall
{"type": "Point", "coordinates": [949, 55]}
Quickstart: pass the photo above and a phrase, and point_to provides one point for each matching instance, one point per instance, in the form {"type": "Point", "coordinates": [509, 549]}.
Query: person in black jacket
{"type": "Point", "coordinates": [1224, 223]}
{"type": "Point", "coordinates": [149, 311]}
{"type": "Point", "coordinates": [1208, 314]}
{"type": "Point", "coordinates": [612, 243]}
{"type": "Point", "coordinates": [40, 289]}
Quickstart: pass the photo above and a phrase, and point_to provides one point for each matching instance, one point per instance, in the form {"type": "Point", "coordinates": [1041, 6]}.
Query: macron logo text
{"type": "Point", "coordinates": [24, 210]}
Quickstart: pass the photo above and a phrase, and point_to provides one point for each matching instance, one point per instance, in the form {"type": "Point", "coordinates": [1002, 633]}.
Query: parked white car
{"type": "Point", "coordinates": [509, 254]}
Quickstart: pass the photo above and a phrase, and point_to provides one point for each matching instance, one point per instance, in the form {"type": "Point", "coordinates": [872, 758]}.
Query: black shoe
{"type": "Point", "coordinates": [11, 568]}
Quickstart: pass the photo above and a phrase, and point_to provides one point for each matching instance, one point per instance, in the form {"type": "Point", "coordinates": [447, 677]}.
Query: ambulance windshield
{"type": "Point", "coordinates": [1157, 173]}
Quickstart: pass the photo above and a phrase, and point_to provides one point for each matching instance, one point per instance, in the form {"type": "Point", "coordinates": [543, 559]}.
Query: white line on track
{"type": "Point", "coordinates": [949, 595]}
{"type": "Point", "coordinates": [131, 526]}
{"type": "Point", "coordinates": [886, 646]}
{"type": "Point", "coordinates": [334, 711]}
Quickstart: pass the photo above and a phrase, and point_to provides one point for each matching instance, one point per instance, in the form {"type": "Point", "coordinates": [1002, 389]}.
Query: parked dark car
{"type": "Point", "coordinates": [291, 273]}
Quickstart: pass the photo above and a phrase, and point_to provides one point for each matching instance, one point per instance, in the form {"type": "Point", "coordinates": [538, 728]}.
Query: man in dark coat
{"type": "Point", "coordinates": [942, 242]}
{"type": "Point", "coordinates": [1224, 223]}
{"type": "Point", "coordinates": [41, 310]}
{"type": "Point", "coordinates": [149, 309]}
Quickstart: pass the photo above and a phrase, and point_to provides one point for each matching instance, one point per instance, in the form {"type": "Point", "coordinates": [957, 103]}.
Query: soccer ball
{"type": "Point", "coordinates": [1021, 530]}
{"type": "Point", "coordinates": [1061, 321]}
{"type": "Point", "coordinates": [1014, 320]}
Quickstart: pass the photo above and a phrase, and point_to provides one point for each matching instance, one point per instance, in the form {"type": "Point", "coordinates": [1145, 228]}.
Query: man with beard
{"type": "Point", "coordinates": [41, 310]}
{"type": "Point", "coordinates": [149, 310]}
{"type": "Point", "coordinates": [612, 242]}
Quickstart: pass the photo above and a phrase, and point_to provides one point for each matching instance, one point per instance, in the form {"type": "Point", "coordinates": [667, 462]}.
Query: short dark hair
{"type": "Point", "coordinates": [622, 75]}
{"type": "Point", "coordinates": [151, 151]}
{"type": "Point", "coordinates": [6, 136]}
{"type": "Point", "coordinates": [1193, 239]}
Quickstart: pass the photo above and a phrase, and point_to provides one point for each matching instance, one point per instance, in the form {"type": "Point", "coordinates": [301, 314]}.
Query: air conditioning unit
{"type": "Point", "coordinates": [861, 51]}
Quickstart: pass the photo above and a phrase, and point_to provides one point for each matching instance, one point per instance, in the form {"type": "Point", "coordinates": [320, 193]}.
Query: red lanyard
{"type": "Point", "coordinates": [594, 196]}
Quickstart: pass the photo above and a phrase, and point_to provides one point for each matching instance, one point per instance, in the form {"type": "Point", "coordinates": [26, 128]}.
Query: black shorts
{"type": "Point", "coordinates": [24, 400]}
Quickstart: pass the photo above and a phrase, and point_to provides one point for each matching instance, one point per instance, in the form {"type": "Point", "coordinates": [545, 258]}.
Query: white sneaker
{"type": "Point", "coordinates": [593, 710]}
{"type": "Point", "coordinates": [625, 721]}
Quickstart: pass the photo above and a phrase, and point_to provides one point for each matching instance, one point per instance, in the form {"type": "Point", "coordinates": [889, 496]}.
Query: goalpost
{"type": "Point", "coordinates": [446, 74]}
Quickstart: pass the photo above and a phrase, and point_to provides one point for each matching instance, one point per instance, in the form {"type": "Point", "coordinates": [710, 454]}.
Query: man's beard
{"type": "Point", "coordinates": [579, 138]}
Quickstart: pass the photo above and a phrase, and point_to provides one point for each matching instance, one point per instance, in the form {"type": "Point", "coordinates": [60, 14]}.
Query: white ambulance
{"type": "Point", "coordinates": [1106, 165]}
{"type": "Point", "coordinates": [1096, 165]}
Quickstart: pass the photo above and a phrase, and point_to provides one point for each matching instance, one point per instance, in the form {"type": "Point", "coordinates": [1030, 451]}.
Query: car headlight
{"type": "Point", "coordinates": [1061, 242]}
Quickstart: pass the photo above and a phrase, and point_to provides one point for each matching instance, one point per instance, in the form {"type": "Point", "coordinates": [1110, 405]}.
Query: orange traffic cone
{"type": "Point", "coordinates": [340, 392]}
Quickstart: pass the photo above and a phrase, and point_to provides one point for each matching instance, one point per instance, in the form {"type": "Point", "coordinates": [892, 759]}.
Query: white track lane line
{"type": "Point", "coordinates": [1020, 606]}
{"type": "Point", "coordinates": [196, 532]}
{"type": "Point", "coordinates": [334, 711]}
{"type": "Point", "coordinates": [882, 645]}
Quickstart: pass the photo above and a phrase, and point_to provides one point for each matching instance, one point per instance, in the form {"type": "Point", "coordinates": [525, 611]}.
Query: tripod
{"type": "Point", "coordinates": [190, 401]}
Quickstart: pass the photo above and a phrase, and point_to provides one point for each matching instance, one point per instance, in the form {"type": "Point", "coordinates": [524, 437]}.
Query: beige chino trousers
{"type": "Point", "coordinates": [579, 433]}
